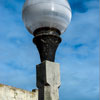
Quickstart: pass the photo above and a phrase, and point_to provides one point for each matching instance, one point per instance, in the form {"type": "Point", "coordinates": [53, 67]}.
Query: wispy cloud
{"type": "Point", "coordinates": [17, 63]}
{"type": "Point", "coordinates": [78, 53]}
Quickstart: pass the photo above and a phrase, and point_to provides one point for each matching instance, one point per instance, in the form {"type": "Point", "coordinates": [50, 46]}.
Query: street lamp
{"type": "Point", "coordinates": [46, 20]}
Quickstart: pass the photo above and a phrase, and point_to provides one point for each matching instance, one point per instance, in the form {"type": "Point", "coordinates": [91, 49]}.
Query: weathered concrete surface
{"type": "Point", "coordinates": [11, 93]}
{"type": "Point", "coordinates": [48, 93]}
{"type": "Point", "coordinates": [48, 73]}
{"type": "Point", "coordinates": [48, 80]}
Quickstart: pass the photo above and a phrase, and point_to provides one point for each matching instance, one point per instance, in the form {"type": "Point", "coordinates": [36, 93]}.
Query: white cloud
{"type": "Point", "coordinates": [79, 65]}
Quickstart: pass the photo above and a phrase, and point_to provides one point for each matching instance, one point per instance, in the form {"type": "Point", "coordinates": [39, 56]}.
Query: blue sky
{"type": "Point", "coordinates": [78, 54]}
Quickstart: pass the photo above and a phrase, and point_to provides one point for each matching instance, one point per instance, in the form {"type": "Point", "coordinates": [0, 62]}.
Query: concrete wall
{"type": "Point", "coordinates": [11, 93]}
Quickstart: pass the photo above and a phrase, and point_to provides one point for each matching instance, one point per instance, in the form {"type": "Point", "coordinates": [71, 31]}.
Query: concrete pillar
{"type": "Point", "coordinates": [48, 80]}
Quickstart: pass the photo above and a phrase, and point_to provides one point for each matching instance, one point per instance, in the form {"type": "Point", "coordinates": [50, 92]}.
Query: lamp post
{"type": "Point", "coordinates": [47, 20]}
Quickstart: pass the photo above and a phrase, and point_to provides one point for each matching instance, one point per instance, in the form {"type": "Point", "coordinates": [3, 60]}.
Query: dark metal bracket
{"type": "Point", "coordinates": [47, 41]}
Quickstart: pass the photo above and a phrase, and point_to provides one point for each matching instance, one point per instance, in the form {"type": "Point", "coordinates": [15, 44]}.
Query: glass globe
{"type": "Point", "coordinates": [46, 13]}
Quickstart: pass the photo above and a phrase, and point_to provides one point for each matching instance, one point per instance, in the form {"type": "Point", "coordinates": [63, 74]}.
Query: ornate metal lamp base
{"type": "Point", "coordinates": [47, 41]}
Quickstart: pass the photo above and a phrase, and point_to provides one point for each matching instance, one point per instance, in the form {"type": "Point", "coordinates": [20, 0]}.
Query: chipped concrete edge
{"type": "Point", "coordinates": [4, 88]}
{"type": "Point", "coordinates": [14, 88]}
